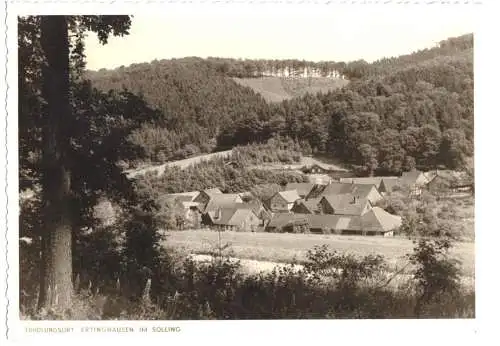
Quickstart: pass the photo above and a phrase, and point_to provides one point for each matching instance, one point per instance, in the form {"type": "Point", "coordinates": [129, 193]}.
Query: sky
{"type": "Point", "coordinates": [311, 33]}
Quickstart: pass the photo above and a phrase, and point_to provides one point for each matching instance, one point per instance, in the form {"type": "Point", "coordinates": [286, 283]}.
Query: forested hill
{"type": "Point", "coordinates": [395, 114]}
{"type": "Point", "coordinates": [414, 110]}
{"type": "Point", "coordinates": [195, 99]}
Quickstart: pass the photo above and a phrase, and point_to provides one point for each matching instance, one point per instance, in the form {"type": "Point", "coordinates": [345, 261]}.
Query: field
{"type": "Point", "coordinates": [285, 248]}
{"type": "Point", "coordinates": [277, 89]}
{"type": "Point", "coordinates": [305, 161]}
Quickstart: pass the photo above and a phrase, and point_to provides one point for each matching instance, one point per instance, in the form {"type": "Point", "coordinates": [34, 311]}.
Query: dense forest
{"type": "Point", "coordinates": [395, 114]}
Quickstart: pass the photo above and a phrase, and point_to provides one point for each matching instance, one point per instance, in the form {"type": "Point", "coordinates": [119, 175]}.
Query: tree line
{"type": "Point", "coordinates": [396, 113]}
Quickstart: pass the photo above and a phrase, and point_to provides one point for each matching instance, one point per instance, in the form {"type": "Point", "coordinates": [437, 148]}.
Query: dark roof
{"type": "Point", "coordinates": [346, 204]}
{"type": "Point", "coordinates": [280, 220]}
{"type": "Point", "coordinates": [357, 190]}
{"type": "Point", "coordinates": [375, 220]}
{"type": "Point", "coordinates": [232, 216]}
{"type": "Point", "coordinates": [221, 200]}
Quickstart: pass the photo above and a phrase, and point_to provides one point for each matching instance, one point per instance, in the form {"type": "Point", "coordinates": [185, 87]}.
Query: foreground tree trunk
{"type": "Point", "coordinates": [56, 270]}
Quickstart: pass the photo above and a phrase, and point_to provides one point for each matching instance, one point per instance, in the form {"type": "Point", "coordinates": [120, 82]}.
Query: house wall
{"type": "Point", "coordinates": [300, 209]}
{"type": "Point", "coordinates": [325, 207]}
{"type": "Point", "coordinates": [421, 180]}
{"type": "Point", "coordinates": [279, 204]}
{"type": "Point", "coordinates": [250, 223]}
{"type": "Point", "coordinates": [366, 209]}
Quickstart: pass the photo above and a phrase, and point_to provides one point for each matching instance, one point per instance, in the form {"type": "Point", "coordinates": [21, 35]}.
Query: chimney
{"type": "Point", "coordinates": [218, 214]}
{"type": "Point", "coordinates": [354, 200]}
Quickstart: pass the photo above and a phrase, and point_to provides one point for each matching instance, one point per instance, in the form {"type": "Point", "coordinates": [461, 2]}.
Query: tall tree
{"type": "Point", "coordinates": [56, 271]}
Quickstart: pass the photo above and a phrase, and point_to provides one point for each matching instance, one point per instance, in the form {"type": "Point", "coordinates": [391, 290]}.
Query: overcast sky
{"type": "Point", "coordinates": [312, 33]}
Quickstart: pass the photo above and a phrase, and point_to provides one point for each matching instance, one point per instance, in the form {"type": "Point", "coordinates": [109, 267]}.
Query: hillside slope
{"type": "Point", "coordinates": [278, 89]}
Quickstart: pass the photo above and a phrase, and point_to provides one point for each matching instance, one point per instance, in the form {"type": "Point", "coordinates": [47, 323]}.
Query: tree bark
{"type": "Point", "coordinates": [56, 270]}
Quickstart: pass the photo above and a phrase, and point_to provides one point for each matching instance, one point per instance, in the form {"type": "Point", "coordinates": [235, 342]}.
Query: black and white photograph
{"type": "Point", "coordinates": [245, 165]}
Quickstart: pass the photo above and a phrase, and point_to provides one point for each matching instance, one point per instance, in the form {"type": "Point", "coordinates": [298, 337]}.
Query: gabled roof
{"type": "Point", "coordinates": [232, 216]}
{"type": "Point", "coordinates": [346, 204]}
{"type": "Point", "coordinates": [239, 216]}
{"type": "Point", "coordinates": [377, 219]}
{"type": "Point", "coordinates": [289, 196]}
{"type": "Point", "coordinates": [311, 204]}
{"type": "Point", "coordinates": [390, 182]}
{"type": "Point", "coordinates": [411, 176]}
{"type": "Point", "coordinates": [302, 188]}
{"type": "Point", "coordinates": [169, 200]}
{"type": "Point", "coordinates": [280, 220]}
{"type": "Point", "coordinates": [368, 180]}
{"type": "Point", "coordinates": [255, 206]}
{"type": "Point", "coordinates": [358, 190]}
{"type": "Point", "coordinates": [222, 200]}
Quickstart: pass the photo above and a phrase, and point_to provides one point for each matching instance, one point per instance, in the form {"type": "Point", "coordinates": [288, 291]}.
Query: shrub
{"type": "Point", "coordinates": [437, 276]}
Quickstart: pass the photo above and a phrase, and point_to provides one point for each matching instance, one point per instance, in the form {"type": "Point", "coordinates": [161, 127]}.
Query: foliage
{"type": "Point", "coordinates": [395, 114]}
{"type": "Point", "coordinates": [331, 285]}
{"type": "Point", "coordinates": [436, 274]}
{"type": "Point", "coordinates": [214, 173]}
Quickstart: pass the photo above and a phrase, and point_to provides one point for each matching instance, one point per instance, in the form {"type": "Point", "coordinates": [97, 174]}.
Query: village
{"type": "Point", "coordinates": [330, 203]}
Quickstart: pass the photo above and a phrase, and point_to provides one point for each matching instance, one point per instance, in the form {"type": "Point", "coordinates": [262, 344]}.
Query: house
{"type": "Point", "coordinates": [316, 168]}
{"type": "Point", "coordinates": [283, 201]}
{"type": "Point", "coordinates": [235, 219]}
{"type": "Point", "coordinates": [217, 201]}
{"type": "Point", "coordinates": [310, 206]}
{"type": "Point", "coordinates": [344, 205]}
{"type": "Point", "coordinates": [379, 182]}
{"type": "Point", "coordinates": [415, 180]}
{"type": "Point", "coordinates": [204, 196]}
{"type": "Point", "coordinates": [379, 222]}
{"type": "Point", "coordinates": [388, 184]}
{"type": "Point", "coordinates": [359, 191]}
{"type": "Point", "coordinates": [303, 189]}
{"type": "Point", "coordinates": [287, 222]}
{"type": "Point", "coordinates": [439, 184]}
{"type": "Point", "coordinates": [364, 180]}
{"type": "Point", "coordinates": [322, 179]}
{"type": "Point", "coordinates": [374, 222]}
{"type": "Point", "coordinates": [447, 181]}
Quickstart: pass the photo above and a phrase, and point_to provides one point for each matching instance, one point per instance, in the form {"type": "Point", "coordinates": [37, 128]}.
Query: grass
{"type": "Point", "coordinates": [304, 161]}
{"type": "Point", "coordinates": [182, 164]}
{"type": "Point", "coordinates": [285, 248]}
{"type": "Point", "coordinates": [278, 89]}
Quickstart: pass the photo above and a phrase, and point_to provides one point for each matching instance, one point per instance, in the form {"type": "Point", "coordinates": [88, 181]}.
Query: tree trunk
{"type": "Point", "coordinates": [56, 270]}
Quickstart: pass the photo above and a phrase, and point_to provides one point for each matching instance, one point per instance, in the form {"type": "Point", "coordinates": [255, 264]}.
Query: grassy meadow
{"type": "Point", "coordinates": [288, 247]}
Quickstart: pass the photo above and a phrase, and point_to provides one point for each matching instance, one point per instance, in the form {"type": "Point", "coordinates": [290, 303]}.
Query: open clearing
{"type": "Point", "coordinates": [278, 89]}
{"type": "Point", "coordinates": [182, 164]}
{"type": "Point", "coordinates": [304, 161]}
{"type": "Point", "coordinates": [286, 247]}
